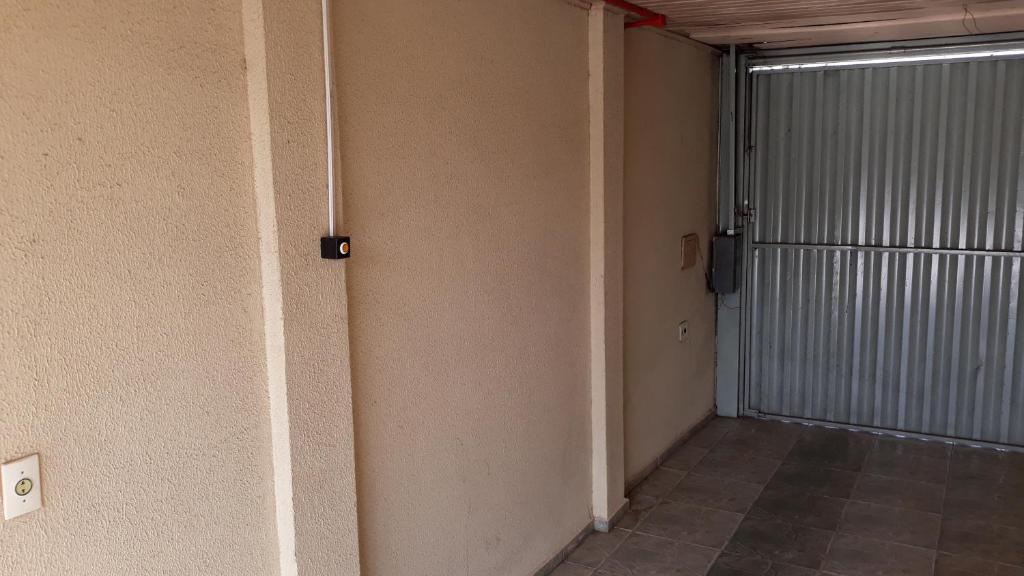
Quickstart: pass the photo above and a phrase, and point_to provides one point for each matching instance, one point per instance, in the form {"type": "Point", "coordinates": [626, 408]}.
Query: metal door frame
{"type": "Point", "coordinates": [735, 214]}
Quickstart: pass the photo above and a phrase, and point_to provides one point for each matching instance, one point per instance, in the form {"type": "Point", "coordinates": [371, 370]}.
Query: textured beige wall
{"type": "Point", "coordinates": [130, 315]}
{"type": "Point", "coordinates": [464, 129]}
{"type": "Point", "coordinates": [669, 191]}
{"type": "Point", "coordinates": [132, 296]}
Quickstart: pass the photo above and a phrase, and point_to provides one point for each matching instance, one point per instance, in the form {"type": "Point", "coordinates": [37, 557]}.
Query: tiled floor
{"type": "Point", "coordinates": [757, 498]}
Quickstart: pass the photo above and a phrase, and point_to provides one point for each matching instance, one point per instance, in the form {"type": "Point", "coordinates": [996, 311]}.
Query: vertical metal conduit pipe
{"type": "Point", "coordinates": [328, 114]}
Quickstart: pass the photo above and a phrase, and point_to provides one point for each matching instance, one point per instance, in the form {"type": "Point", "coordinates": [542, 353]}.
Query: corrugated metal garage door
{"type": "Point", "coordinates": [886, 247]}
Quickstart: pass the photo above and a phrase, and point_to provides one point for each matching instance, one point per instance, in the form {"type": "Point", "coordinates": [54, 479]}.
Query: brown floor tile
{"type": "Point", "coordinates": [1014, 481]}
{"type": "Point", "coordinates": [972, 484]}
{"type": "Point", "coordinates": [855, 556]}
{"type": "Point", "coordinates": [780, 542]}
{"type": "Point", "coordinates": [653, 556]}
{"type": "Point", "coordinates": [796, 506]}
{"type": "Point", "coordinates": [984, 500]}
{"type": "Point", "coordinates": [690, 524]}
{"type": "Point", "coordinates": [762, 438]}
{"type": "Point", "coordinates": [717, 493]}
{"type": "Point", "coordinates": [813, 479]}
{"type": "Point", "coordinates": [722, 463]}
{"type": "Point", "coordinates": [566, 569]}
{"type": "Point", "coordinates": [659, 483]}
{"type": "Point", "coordinates": [1003, 544]}
{"type": "Point", "coordinates": [642, 503]}
{"type": "Point", "coordinates": [684, 458]}
{"type": "Point", "coordinates": [632, 517]}
{"type": "Point", "coordinates": [829, 448]}
{"type": "Point", "coordinates": [984, 465]}
{"type": "Point", "coordinates": [596, 547]}
{"type": "Point", "coordinates": [899, 525]}
{"type": "Point", "coordinates": [1013, 464]}
{"type": "Point", "coordinates": [899, 493]}
{"type": "Point", "coordinates": [733, 565]}
{"type": "Point", "coordinates": [1006, 570]}
{"type": "Point", "coordinates": [967, 463]}
{"type": "Point", "coordinates": [712, 432]}
{"type": "Point", "coordinates": [917, 468]}
{"type": "Point", "coordinates": [949, 565]}
{"type": "Point", "coordinates": [908, 447]}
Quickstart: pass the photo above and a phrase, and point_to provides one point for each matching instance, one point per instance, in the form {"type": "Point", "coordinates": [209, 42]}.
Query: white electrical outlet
{"type": "Point", "coordinates": [22, 487]}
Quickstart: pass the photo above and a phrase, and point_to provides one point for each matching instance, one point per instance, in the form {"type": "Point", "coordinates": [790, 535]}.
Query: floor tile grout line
{"type": "Point", "coordinates": [661, 499]}
{"type": "Point", "coordinates": [610, 552]}
{"type": "Point", "coordinates": [714, 560]}
{"type": "Point", "coordinates": [718, 551]}
{"type": "Point", "coordinates": [832, 538]}
{"type": "Point", "coordinates": [842, 515]}
{"type": "Point", "coordinates": [677, 541]}
{"type": "Point", "coordinates": [942, 509]}
{"type": "Point", "coordinates": [746, 514]}
{"type": "Point", "coordinates": [906, 479]}
{"type": "Point", "coordinates": [838, 528]}
{"type": "Point", "coordinates": [657, 502]}
{"type": "Point", "coordinates": [933, 551]}
{"type": "Point", "coordinates": [847, 501]}
{"type": "Point", "coordinates": [834, 469]}
{"type": "Point", "coordinates": [613, 550]}
{"type": "Point", "coordinates": [892, 542]}
{"type": "Point", "coordinates": [891, 507]}
{"type": "Point", "coordinates": [900, 478]}
{"type": "Point", "coordinates": [706, 475]}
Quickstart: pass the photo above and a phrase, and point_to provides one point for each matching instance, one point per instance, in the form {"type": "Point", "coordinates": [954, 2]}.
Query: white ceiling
{"type": "Point", "coordinates": [816, 22]}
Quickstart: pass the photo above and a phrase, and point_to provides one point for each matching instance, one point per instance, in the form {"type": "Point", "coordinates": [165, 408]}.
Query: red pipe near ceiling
{"type": "Point", "coordinates": [648, 17]}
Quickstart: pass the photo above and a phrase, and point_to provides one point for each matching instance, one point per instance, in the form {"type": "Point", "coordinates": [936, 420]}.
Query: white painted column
{"type": "Point", "coordinates": [606, 275]}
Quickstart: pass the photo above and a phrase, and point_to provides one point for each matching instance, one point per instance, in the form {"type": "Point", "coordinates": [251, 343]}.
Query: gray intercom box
{"type": "Point", "coordinates": [725, 263]}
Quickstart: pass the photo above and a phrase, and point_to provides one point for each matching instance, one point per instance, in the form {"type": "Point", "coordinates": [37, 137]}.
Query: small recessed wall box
{"type": "Point", "coordinates": [688, 248]}
{"type": "Point", "coordinates": [22, 487]}
{"type": "Point", "coordinates": [335, 247]}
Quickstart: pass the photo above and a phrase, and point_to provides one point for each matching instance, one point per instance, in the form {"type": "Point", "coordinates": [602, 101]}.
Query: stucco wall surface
{"type": "Point", "coordinates": [464, 137]}
{"type": "Point", "coordinates": [132, 297]}
{"type": "Point", "coordinates": [130, 317]}
{"type": "Point", "coordinates": [670, 163]}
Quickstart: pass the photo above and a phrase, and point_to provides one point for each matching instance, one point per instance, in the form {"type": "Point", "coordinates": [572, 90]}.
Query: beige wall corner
{"type": "Point", "coordinates": [270, 280]}
{"type": "Point", "coordinates": [606, 266]}
{"type": "Point", "coordinates": [305, 314]}
{"type": "Point", "coordinates": [670, 162]}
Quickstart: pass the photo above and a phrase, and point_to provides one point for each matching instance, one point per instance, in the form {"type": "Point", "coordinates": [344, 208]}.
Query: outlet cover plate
{"type": "Point", "coordinates": [22, 488]}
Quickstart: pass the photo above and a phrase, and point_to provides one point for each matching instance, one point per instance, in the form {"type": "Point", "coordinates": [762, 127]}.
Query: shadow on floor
{"type": "Point", "coordinates": [759, 498]}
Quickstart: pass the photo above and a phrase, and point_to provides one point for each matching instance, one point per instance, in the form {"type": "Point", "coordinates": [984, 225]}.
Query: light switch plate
{"type": "Point", "coordinates": [22, 487]}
